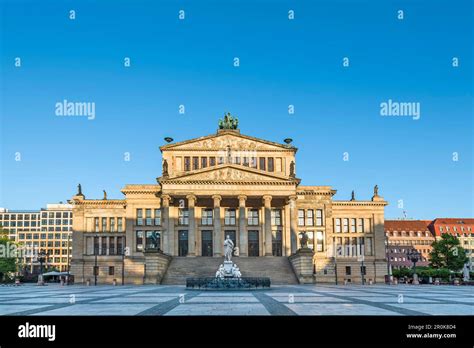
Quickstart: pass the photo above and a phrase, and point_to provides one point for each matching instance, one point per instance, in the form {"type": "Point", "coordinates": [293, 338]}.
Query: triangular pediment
{"type": "Point", "coordinates": [229, 173]}
{"type": "Point", "coordinates": [224, 139]}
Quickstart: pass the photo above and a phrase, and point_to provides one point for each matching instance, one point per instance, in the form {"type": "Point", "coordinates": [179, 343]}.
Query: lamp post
{"type": "Point", "coordinates": [68, 258]}
{"type": "Point", "coordinates": [124, 251]}
{"type": "Point", "coordinates": [414, 256]}
{"type": "Point", "coordinates": [362, 268]}
{"type": "Point", "coordinates": [96, 251]}
{"type": "Point", "coordinates": [387, 255]}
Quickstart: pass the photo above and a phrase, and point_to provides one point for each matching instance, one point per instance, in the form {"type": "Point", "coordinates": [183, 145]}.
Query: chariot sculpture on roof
{"type": "Point", "coordinates": [229, 122]}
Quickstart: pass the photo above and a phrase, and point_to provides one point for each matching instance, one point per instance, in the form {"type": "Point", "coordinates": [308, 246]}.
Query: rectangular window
{"type": "Point", "coordinates": [112, 224]}
{"type": "Point", "coordinates": [262, 163]}
{"type": "Point", "coordinates": [203, 162]}
{"type": "Point", "coordinates": [212, 161]}
{"type": "Point", "coordinates": [139, 217]}
{"type": "Point", "coordinates": [96, 245]}
{"type": "Point", "coordinates": [111, 245]}
{"type": "Point", "coordinates": [104, 246]}
{"type": "Point", "coordinates": [153, 240]}
{"type": "Point", "coordinates": [148, 220]}
{"type": "Point", "coordinates": [360, 225]}
{"type": "Point", "coordinates": [271, 164]}
{"type": "Point", "coordinates": [119, 224]}
{"type": "Point", "coordinates": [368, 246]}
{"type": "Point", "coordinates": [345, 226]}
{"type": "Point", "coordinates": [253, 162]}
{"type": "Point", "coordinates": [206, 217]}
{"type": "Point", "coordinates": [96, 224]}
{"type": "Point", "coordinates": [187, 164]}
{"type": "Point", "coordinates": [353, 225]}
{"type": "Point", "coordinates": [229, 217]}
{"type": "Point", "coordinates": [310, 217]}
{"type": "Point", "coordinates": [111, 270]}
{"type": "Point", "coordinates": [139, 240]}
{"type": "Point", "coordinates": [183, 216]}
{"type": "Point", "coordinates": [195, 163]}
{"type": "Point", "coordinates": [157, 217]}
{"type": "Point", "coordinates": [252, 218]}
{"type": "Point", "coordinates": [104, 224]}
{"type": "Point", "coordinates": [300, 217]}
{"type": "Point", "coordinates": [220, 160]}
{"type": "Point", "coordinates": [120, 242]}
{"type": "Point", "coordinates": [237, 160]}
{"type": "Point", "coordinates": [310, 235]}
{"type": "Point", "coordinates": [276, 217]}
{"type": "Point", "coordinates": [246, 161]}
{"type": "Point", "coordinates": [319, 241]}
{"type": "Point", "coordinates": [348, 270]}
{"type": "Point", "coordinates": [319, 217]}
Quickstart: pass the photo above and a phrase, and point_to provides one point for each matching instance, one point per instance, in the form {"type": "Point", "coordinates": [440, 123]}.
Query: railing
{"type": "Point", "coordinates": [228, 283]}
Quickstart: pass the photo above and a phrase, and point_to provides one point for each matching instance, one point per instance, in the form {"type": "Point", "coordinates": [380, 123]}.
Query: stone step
{"type": "Point", "coordinates": [278, 269]}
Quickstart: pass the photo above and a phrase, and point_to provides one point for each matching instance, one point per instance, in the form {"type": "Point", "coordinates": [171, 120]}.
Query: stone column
{"type": "Point", "coordinates": [192, 225]}
{"type": "Point", "coordinates": [267, 202]}
{"type": "Point", "coordinates": [218, 242]}
{"type": "Point", "coordinates": [243, 237]}
{"type": "Point", "coordinates": [165, 224]}
{"type": "Point", "coordinates": [287, 234]}
{"type": "Point", "coordinates": [293, 226]}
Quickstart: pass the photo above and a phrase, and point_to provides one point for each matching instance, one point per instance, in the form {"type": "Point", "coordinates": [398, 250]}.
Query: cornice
{"type": "Point", "coordinates": [214, 182]}
{"type": "Point", "coordinates": [100, 202]}
{"type": "Point", "coordinates": [359, 203]}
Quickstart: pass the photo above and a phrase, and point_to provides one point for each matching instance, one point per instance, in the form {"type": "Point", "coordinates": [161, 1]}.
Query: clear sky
{"type": "Point", "coordinates": [282, 62]}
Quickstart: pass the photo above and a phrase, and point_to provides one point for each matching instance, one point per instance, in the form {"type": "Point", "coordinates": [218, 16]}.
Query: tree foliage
{"type": "Point", "coordinates": [447, 253]}
{"type": "Point", "coordinates": [8, 263]}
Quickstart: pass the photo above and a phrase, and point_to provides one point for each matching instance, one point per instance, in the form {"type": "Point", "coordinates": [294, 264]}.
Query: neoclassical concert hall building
{"type": "Point", "coordinates": [227, 184]}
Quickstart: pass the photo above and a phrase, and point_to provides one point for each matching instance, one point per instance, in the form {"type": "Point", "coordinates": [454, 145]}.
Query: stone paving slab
{"type": "Point", "coordinates": [308, 300]}
{"type": "Point", "coordinates": [10, 309]}
{"type": "Point", "coordinates": [137, 299]}
{"type": "Point", "coordinates": [219, 309]}
{"type": "Point", "coordinates": [103, 309]}
{"type": "Point", "coordinates": [440, 308]}
{"type": "Point", "coordinates": [338, 309]}
{"type": "Point", "coordinates": [222, 299]}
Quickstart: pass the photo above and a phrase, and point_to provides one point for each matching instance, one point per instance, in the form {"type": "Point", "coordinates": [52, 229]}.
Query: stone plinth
{"type": "Point", "coordinates": [302, 262]}
{"type": "Point", "coordinates": [156, 265]}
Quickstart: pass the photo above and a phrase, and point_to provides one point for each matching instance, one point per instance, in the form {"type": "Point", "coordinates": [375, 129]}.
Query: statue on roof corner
{"type": "Point", "coordinates": [229, 122]}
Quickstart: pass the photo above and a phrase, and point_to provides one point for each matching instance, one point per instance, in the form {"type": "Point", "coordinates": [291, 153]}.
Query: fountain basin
{"type": "Point", "coordinates": [228, 283]}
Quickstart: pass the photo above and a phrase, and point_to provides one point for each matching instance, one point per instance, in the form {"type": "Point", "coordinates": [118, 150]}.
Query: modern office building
{"type": "Point", "coordinates": [48, 229]}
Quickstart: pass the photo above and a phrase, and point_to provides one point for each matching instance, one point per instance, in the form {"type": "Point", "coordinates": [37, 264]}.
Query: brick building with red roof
{"type": "Point", "coordinates": [405, 235]}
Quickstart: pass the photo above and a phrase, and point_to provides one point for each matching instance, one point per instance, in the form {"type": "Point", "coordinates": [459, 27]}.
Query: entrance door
{"type": "Point", "coordinates": [253, 243]}
{"type": "Point", "coordinates": [276, 243]}
{"type": "Point", "coordinates": [206, 243]}
{"type": "Point", "coordinates": [183, 243]}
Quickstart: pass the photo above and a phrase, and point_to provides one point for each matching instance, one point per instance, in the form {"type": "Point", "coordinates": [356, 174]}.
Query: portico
{"type": "Point", "coordinates": [200, 217]}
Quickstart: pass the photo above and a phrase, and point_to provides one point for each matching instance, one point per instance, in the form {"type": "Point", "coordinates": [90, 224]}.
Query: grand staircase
{"type": "Point", "coordinates": [278, 269]}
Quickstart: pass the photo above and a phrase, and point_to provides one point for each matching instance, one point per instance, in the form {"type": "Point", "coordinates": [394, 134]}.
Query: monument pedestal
{"type": "Point", "coordinates": [302, 262]}
{"type": "Point", "coordinates": [228, 266]}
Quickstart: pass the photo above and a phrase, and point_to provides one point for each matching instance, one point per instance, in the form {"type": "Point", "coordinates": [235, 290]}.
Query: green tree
{"type": "Point", "coordinates": [8, 263]}
{"type": "Point", "coordinates": [448, 253]}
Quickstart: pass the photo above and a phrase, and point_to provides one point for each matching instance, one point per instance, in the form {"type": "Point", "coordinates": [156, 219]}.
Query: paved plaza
{"type": "Point", "coordinates": [279, 300]}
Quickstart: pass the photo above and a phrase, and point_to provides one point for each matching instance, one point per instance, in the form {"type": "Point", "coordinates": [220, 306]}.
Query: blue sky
{"type": "Point", "coordinates": [282, 62]}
